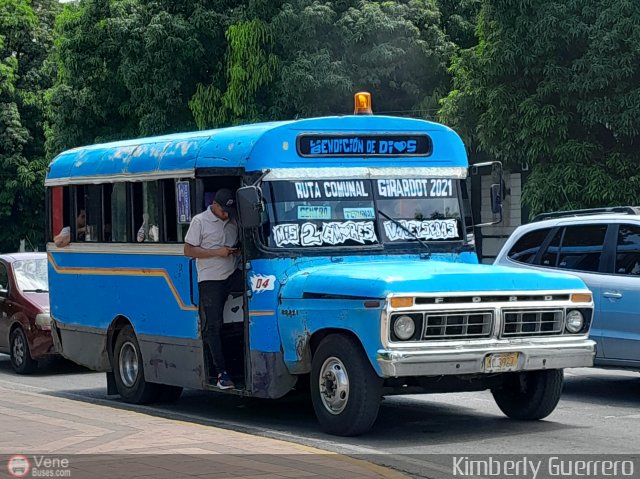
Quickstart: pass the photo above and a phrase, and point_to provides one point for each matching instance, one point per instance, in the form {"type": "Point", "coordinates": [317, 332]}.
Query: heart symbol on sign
{"type": "Point", "coordinates": [400, 145]}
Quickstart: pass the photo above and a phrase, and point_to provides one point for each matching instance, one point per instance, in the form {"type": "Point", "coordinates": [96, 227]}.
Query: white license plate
{"type": "Point", "coordinates": [501, 362]}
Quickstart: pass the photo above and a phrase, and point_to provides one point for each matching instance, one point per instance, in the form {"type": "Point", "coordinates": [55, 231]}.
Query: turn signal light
{"type": "Point", "coordinates": [362, 102]}
{"type": "Point", "coordinates": [401, 302]}
{"type": "Point", "coordinates": [581, 298]}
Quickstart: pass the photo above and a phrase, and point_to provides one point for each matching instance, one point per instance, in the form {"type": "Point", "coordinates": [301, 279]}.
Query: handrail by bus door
{"type": "Point", "coordinates": [191, 288]}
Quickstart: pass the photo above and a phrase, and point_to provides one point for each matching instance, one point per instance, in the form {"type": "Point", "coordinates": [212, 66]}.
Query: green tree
{"type": "Point", "coordinates": [89, 101]}
{"type": "Point", "coordinates": [307, 58]}
{"type": "Point", "coordinates": [24, 41]}
{"type": "Point", "coordinates": [396, 50]}
{"type": "Point", "coordinates": [127, 68]}
{"type": "Point", "coordinates": [237, 92]}
{"type": "Point", "coordinates": [167, 48]}
{"type": "Point", "coordinates": [556, 85]}
{"type": "Point", "coordinates": [459, 21]}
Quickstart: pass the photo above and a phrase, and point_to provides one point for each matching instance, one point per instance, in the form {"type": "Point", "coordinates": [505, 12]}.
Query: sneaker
{"type": "Point", "coordinates": [224, 381]}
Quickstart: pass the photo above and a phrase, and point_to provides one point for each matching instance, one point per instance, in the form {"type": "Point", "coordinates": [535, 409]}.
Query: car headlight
{"type": "Point", "coordinates": [43, 321]}
{"type": "Point", "coordinates": [404, 327]}
{"type": "Point", "coordinates": [574, 321]}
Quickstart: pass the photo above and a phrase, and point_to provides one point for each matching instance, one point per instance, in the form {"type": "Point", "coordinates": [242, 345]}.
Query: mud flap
{"type": "Point", "coordinates": [270, 376]}
{"type": "Point", "coordinates": [112, 390]}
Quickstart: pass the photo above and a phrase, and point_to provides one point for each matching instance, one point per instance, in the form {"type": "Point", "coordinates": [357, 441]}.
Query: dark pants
{"type": "Point", "coordinates": [213, 295]}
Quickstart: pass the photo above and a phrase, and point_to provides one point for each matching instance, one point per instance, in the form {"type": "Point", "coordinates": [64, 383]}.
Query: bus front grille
{"type": "Point", "coordinates": [457, 325]}
{"type": "Point", "coordinates": [532, 323]}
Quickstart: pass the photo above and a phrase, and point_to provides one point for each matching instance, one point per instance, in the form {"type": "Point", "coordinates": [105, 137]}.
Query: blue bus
{"type": "Point", "coordinates": [360, 277]}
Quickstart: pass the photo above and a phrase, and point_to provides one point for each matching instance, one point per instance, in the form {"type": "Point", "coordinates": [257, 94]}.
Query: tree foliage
{"type": "Point", "coordinates": [128, 68]}
{"type": "Point", "coordinates": [25, 37]}
{"type": "Point", "coordinates": [88, 102]}
{"type": "Point", "coordinates": [307, 58]}
{"type": "Point", "coordinates": [556, 85]}
{"type": "Point", "coordinates": [250, 65]}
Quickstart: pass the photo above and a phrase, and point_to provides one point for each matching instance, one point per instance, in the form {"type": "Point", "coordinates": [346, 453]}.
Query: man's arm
{"type": "Point", "coordinates": [199, 252]}
{"type": "Point", "coordinates": [63, 238]}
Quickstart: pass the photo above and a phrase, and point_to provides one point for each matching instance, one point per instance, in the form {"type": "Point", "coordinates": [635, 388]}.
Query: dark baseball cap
{"type": "Point", "coordinates": [227, 201]}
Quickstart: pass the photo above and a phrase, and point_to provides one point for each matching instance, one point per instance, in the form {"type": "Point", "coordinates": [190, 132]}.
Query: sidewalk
{"type": "Point", "coordinates": [101, 441]}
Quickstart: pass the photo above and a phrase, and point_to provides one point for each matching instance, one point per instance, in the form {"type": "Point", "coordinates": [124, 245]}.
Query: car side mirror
{"type": "Point", "coordinates": [250, 207]}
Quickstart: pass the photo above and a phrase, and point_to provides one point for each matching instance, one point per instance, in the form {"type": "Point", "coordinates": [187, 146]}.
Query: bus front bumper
{"type": "Point", "coordinates": [443, 361]}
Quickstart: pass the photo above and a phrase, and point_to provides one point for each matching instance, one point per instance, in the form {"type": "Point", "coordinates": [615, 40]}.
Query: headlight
{"type": "Point", "coordinates": [404, 327]}
{"type": "Point", "coordinates": [575, 321]}
{"type": "Point", "coordinates": [43, 321]}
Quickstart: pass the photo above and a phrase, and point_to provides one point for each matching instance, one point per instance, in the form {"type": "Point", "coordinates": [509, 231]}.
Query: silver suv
{"type": "Point", "coordinates": [602, 247]}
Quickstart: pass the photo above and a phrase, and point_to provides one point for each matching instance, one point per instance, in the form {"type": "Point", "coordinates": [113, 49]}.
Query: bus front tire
{"type": "Point", "coordinates": [530, 395]}
{"type": "Point", "coordinates": [345, 390]}
{"type": "Point", "coordinates": [128, 370]}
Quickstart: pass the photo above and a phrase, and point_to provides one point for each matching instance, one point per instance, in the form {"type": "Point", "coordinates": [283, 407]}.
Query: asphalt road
{"type": "Point", "coordinates": [598, 414]}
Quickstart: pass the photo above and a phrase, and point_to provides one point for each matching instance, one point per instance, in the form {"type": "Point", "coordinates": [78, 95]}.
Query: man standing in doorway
{"type": "Point", "coordinates": [212, 239]}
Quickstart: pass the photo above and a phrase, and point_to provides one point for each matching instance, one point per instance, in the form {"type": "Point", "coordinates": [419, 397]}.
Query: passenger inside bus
{"type": "Point", "coordinates": [63, 238]}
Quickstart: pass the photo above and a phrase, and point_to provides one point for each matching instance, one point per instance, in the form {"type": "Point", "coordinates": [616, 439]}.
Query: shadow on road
{"type": "Point", "coordinates": [612, 388]}
{"type": "Point", "coordinates": [403, 420]}
{"type": "Point", "coordinates": [49, 367]}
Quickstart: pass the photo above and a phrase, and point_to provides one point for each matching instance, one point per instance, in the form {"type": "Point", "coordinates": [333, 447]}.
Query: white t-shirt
{"type": "Point", "coordinates": [210, 232]}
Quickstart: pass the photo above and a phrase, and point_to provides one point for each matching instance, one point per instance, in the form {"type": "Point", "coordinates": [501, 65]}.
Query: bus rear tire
{"type": "Point", "coordinates": [345, 390]}
{"type": "Point", "coordinates": [128, 370]}
{"type": "Point", "coordinates": [530, 395]}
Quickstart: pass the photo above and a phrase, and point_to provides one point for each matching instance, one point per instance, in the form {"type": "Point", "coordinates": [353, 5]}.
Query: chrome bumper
{"type": "Point", "coordinates": [470, 359]}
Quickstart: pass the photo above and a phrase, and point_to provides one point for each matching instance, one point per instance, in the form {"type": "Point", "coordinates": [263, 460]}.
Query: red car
{"type": "Point", "coordinates": [25, 324]}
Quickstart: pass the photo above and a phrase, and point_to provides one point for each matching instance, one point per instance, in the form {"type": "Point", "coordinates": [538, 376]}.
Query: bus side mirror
{"type": "Point", "coordinates": [496, 190]}
{"type": "Point", "coordinates": [496, 198]}
{"type": "Point", "coordinates": [249, 200]}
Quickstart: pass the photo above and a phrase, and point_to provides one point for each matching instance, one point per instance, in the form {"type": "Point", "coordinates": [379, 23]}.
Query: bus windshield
{"type": "Point", "coordinates": [353, 212]}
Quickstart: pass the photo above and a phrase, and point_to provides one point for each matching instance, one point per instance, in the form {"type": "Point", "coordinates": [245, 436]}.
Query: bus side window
{"type": "Point", "coordinates": [59, 214]}
{"type": "Point", "coordinates": [175, 228]}
{"type": "Point", "coordinates": [115, 228]}
{"type": "Point", "coordinates": [93, 213]}
{"type": "Point", "coordinates": [146, 209]}
{"type": "Point", "coordinates": [79, 224]}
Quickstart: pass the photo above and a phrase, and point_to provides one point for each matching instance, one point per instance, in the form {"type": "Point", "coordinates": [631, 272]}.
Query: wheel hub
{"type": "Point", "coordinates": [18, 349]}
{"type": "Point", "coordinates": [128, 364]}
{"type": "Point", "coordinates": [334, 385]}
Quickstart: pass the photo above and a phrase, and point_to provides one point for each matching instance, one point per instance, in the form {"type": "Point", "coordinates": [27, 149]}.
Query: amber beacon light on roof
{"type": "Point", "coordinates": [362, 102]}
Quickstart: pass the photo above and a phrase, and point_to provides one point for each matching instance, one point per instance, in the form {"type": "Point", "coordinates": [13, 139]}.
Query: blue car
{"type": "Point", "coordinates": [602, 247]}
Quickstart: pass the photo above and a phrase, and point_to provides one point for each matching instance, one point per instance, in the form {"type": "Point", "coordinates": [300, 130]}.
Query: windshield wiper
{"type": "Point", "coordinates": [407, 230]}
{"type": "Point", "coordinates": [35, 290]}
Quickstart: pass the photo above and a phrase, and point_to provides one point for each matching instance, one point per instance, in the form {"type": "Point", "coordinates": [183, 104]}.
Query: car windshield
{"type": "Point", "coordinates": [358, 212]}
{"type": "Point", "coordinates": [31, 275]}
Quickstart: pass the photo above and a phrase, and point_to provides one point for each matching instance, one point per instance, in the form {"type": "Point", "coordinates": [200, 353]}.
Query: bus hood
{"type": "Point", "coordinates": [381, 278]}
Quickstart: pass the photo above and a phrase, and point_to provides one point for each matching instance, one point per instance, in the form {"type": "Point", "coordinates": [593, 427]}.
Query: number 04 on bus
{"type": "Point", "coordinates": [359, 273]}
